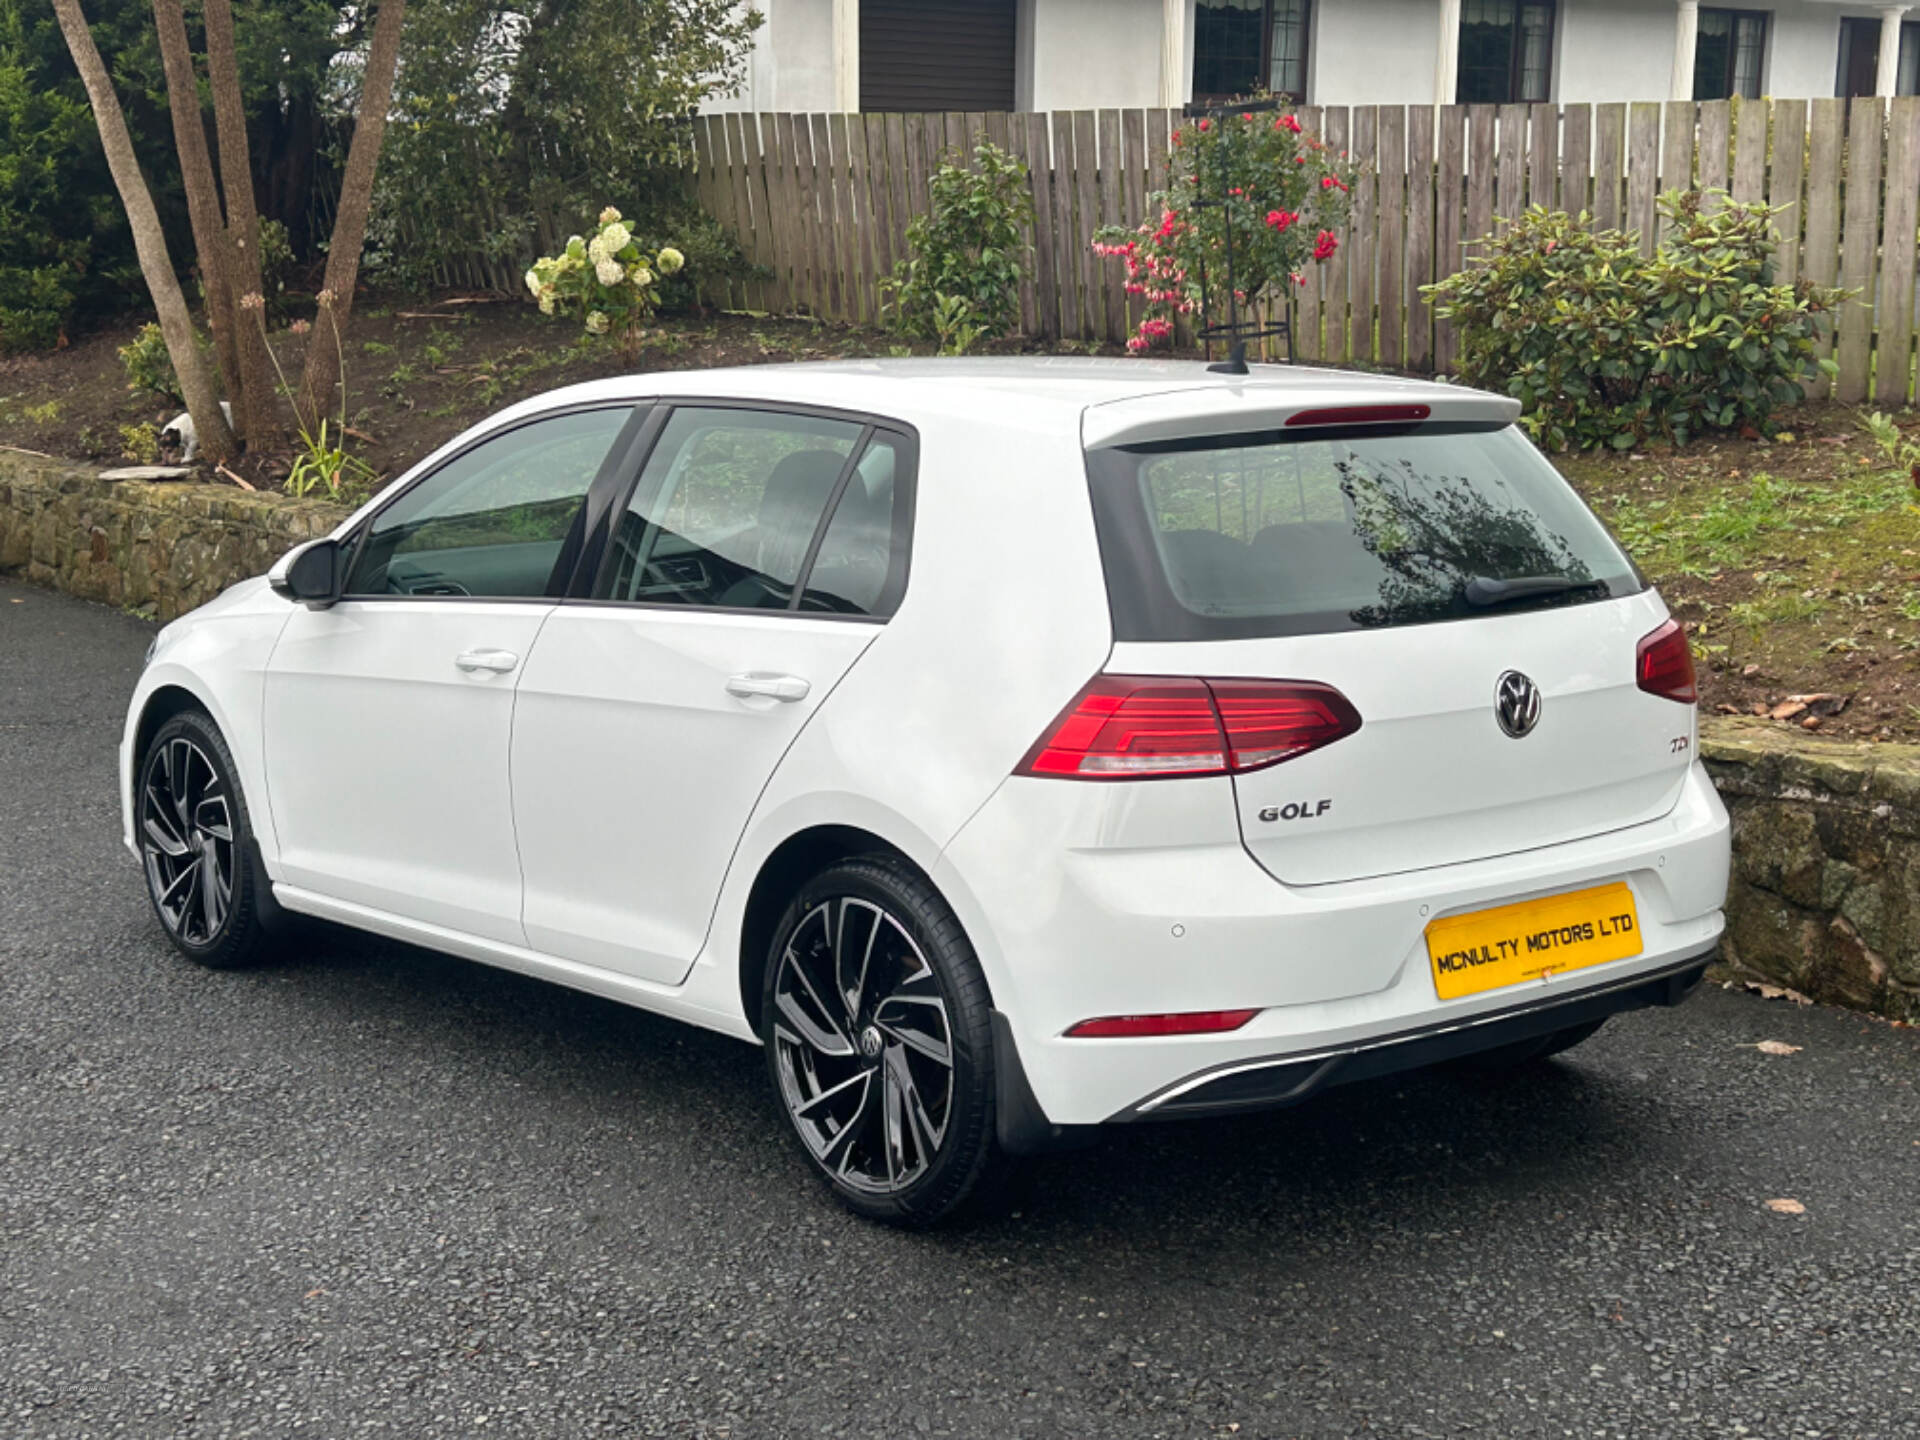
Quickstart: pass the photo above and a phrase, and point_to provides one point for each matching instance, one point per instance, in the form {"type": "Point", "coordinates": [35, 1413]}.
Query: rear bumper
{"type": "Point", "coordinates": [1080, 911]}
{"type": "Point", "coordinates": [1282, 1080]}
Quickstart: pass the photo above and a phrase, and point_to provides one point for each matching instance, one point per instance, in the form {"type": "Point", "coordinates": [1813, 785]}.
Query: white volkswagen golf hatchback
{"type": "Point", "coordinates": [1011, 748]}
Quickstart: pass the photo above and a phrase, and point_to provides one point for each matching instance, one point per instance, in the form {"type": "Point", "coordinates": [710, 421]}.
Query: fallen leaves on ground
{"type": "Point", "coordinates": [1785, 1206]}
{"type": "Point", "coordinates": [1775, 992]}
{"type": "Point", "coordinates": [1778, 1047]}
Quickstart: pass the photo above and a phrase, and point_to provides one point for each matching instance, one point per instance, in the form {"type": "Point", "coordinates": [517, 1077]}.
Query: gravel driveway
{"type": "Point", "coordinates": [380, 1192]}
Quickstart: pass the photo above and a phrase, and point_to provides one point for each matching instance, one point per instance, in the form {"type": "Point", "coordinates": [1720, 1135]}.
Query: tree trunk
{"type": "Point", "coordinates": [203, 196]}
{"type": "Point", "coordinates": [259, 418]}
{"type": "Point", "coordinates": [324, 346]}
{"type": "Point", "coordinates": [149, 243]}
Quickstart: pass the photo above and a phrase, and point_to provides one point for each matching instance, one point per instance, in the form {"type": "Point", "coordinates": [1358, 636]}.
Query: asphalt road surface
{"type": "Point", "coordinates": [376, 1191]}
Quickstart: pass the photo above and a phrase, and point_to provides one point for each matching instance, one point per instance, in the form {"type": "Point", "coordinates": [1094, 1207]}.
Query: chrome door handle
{"type": "Point", "coordinates": [498, 661]}
{"type": "Point", "coordinates": [771, 687]}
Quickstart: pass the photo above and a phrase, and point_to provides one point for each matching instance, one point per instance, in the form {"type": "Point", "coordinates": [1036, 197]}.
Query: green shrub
{"type": "Point", "coordinates": [1604, 346]}
{"type": "Point", "coordinates": [960, 281]}
{"type": "Point", "coordinates": [140, 443]}
{"type": "Point", "coordinates": [149, 366]}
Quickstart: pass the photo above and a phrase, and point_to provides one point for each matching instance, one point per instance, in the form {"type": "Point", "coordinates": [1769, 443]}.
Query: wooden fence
{"type": "Point", "coordinates": [822, 202]}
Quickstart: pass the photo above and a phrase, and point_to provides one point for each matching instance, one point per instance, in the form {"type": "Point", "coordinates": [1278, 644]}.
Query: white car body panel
{"type": "Point", "coordinates": [389, 762]}
{"type": "Point", "coordinates": [382, 780]}
{"type": "Point", "coordinates": [633, 766]}
{"type": "Point", "coordinates": [1429, 779]}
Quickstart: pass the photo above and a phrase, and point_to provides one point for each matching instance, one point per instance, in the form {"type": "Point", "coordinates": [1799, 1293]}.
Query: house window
{"type": "Point", "coordinates": [1506, 52]}
{"type": "Point", "coordinates": [1728, 55]}
{"type": "Point", "coordinates": [1241, 46]}
{"type": "Point", "coordinates": [1860, 59]}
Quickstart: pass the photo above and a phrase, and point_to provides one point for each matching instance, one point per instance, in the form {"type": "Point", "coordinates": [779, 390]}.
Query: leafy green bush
{"type": "Point", "coordinates": [149, 366]}
{"type": "Point", "coordinates": [507, 127]}
{"type": "Point", "coordinates": [1604, 346]}
{"type": "Point", "coordinates": [960, 281]}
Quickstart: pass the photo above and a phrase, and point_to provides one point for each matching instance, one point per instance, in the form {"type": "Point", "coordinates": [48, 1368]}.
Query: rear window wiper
{"type": "Point", "coordinates": [1483, 592]}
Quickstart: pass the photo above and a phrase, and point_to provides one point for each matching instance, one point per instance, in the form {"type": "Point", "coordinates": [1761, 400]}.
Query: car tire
{"type": "Point", "coordinates": [1528, 1052]}
{"type": "Point", "coordinates": [196, 845]}
{"type": "Point", "coordinates": [878, 1031]}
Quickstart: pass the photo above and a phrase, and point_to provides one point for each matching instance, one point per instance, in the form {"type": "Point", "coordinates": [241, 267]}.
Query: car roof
{"type": "Point", "coordinates": [1110, 401]}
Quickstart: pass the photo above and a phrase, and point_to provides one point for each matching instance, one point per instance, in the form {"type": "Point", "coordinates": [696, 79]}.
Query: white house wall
{"type": "Point", "coordinates": [1098, 54]}
{"type": "Point", "coordinates": [790, 67]}
{"type": "Point", "coordinates": [1373, 52]}
{"type": "Point", "coordinates": [1614, 50]}
{"type": "Point", "coordinates": [1092, 54]}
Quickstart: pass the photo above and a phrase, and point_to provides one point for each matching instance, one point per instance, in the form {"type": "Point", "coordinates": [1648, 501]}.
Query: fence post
{"type": "Point", "coordinates": [1420, 135]}
{"type": "Point", "coordinates": [1390, 201]}
{"type": "Point", "coordinates": [1449, 247]}
{"type": "Point", "coordinates": [1643, 174]}
{"type": "Point", "coordinates": [1893, 377]}
{"type": "Point", "coordinates": [1789, 169]}
{"type": "Point", "coordinates": [1820, 260]}
{"type": "Point", "coordinates": [1866, 129]}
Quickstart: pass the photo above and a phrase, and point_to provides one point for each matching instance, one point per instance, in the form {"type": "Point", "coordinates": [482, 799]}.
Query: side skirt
{"type": "Point", "coordinates": [607, 984]}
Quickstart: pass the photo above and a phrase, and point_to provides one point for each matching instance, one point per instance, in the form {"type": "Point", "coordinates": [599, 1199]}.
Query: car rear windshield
{"type": "Point", "coordinates": [1282, 533]}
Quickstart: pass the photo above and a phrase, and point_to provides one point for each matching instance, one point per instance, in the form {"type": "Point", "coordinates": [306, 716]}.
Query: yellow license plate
{"type": "Point", "coordinates": [1491, 948]}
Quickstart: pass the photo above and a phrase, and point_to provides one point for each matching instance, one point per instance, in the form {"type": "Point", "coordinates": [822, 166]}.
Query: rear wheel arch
{"type": "Point", "coordinates": [792, 863]}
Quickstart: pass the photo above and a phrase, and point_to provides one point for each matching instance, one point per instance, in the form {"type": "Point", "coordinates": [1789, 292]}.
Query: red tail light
{"type": "Point", "coordinates": [1664, 665]}
{"type": "Point", "coordinates": [1142, 727]}
{"type": "Point", "coordinates": [1193, 1022]}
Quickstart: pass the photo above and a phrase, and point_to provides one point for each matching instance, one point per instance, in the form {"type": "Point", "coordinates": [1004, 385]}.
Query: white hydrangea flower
{"type": "Point", "coordinates": [615, 237]}
{"type": "Point", "coordinates": [533, 283]}
{"type": "Point", "coordinates": [642, 277]}
{"type": "Point", "coordinates": [597, 250]}
{"type": "Point", "coordinates": [609, 215]}
{"type": "Point", "coordinates": [546, 300]}
{"type": "Point", "coordinates": [596, 322]}
{"type": "Point", "coordinates": [670, 260]}
{"type": "Point", "coordinates": [609, 271]}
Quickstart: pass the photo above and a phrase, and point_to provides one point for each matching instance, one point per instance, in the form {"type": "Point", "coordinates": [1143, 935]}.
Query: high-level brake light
{"type": "Point", "coordinates": [1147, 727]}
{"type": "Point", "coordinates": [1361, 415]}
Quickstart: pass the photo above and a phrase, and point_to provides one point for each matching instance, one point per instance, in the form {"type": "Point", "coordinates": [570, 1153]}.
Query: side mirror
{"type": "Point", "coordinates": [309, 573]}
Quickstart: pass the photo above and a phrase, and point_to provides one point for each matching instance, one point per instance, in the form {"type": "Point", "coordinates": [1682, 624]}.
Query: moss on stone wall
{"type": "Point", "coordinates": [160, 548]}
{"type": "Point", "coordinates": [1825, 896]}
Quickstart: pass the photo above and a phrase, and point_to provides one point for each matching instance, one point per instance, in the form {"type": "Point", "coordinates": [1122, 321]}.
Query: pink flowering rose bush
{"type": "Point", "coordinates": [1287, 197]}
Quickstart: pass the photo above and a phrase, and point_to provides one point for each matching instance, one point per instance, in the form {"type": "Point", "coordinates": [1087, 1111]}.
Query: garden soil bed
{"type": "Point", "coordinates": [1795, 562]}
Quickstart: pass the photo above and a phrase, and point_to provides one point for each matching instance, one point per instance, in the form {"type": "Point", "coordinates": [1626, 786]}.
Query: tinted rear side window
{"type": "Point", "coordinates": [1284, 534]}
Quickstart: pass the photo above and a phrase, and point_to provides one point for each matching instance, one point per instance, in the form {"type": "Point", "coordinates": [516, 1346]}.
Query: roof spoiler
{"type": "Point", "coordinates": [1248, 409]}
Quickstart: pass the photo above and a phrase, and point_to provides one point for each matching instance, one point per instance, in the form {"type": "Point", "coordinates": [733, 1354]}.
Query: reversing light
{"type": "Point", "coordinates": [1148, 727]}
{"type": "Point", "coordinates": [1361, 415]}
{"type": "Point", "coordinates": [1192, 1022]}
{"type": "Point", "coordinates": [1663, 665]}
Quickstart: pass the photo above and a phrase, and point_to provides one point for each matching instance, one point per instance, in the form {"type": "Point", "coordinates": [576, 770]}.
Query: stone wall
{"type": "Point", "coordinates": [1825, 896]}
{"type": "Point", "coordinates": [160, 548]}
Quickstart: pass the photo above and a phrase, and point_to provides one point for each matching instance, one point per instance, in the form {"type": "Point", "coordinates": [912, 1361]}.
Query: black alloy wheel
{"type": "Point", "coordinates": [878, 1032]}
{"type": "Point", "coordinates": [191, 825]}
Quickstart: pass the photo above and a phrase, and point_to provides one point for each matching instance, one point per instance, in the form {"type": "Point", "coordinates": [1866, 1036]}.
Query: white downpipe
{"type": "Point", "coordinates": [1887, 79]}
{"type": "Point", "coordinates": [1686, 40]}
{"type": "Point", "coordinates": [846, 55]}
{"type": "Point", "coordinates": [1446, 63]}
{"type": "Point", "coordinates": [1176, 66]}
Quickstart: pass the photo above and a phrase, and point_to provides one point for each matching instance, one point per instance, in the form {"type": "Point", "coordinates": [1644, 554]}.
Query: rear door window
{"type": "Point", "coordinates": [1283, 534]}
{"type": "Point", "coordinates": [740, 509]}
